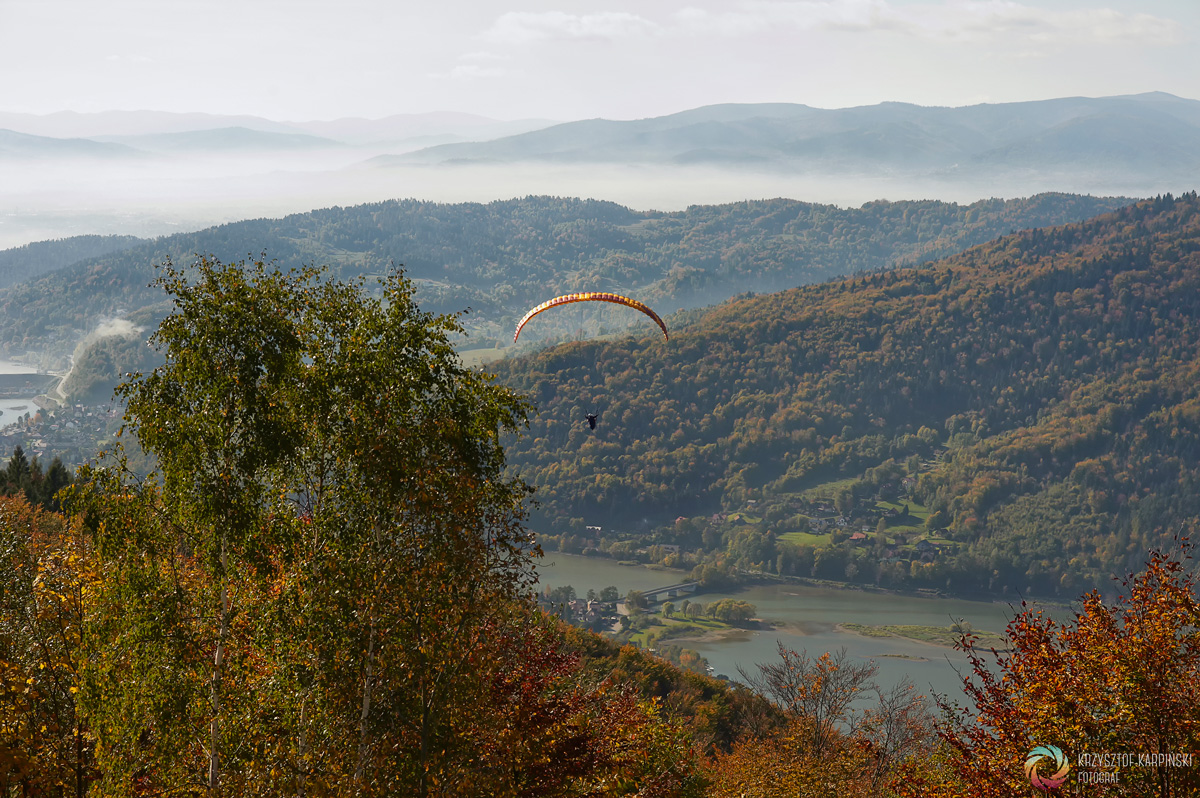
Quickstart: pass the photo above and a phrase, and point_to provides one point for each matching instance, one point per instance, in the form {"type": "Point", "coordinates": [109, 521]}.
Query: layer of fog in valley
{"type": "Point", "coordinates": [148, 173]}
{"type": "Point", "coordinates": [49, 200]}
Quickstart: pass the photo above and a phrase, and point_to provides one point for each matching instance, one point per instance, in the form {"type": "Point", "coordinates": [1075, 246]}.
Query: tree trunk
{"type": "Point", "coordinates": [302, 748]}
{"type": "Point", "coordinates": [368, 679]}
{"type": "Point", "coordinates": [78, 758]}
{"type": "Point", "coordinates": [214, 759]}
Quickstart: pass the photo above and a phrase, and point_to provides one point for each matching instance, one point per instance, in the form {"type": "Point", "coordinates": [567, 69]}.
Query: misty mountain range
{"type": "Point", "coordinates": [156, 131]}
{"type": "Point", "coordinates": [1153, 133]}
{"type": "Point", "coordinates": [153, 173]}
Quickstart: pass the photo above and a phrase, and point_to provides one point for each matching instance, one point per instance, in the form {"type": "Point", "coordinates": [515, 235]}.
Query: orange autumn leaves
{"type": "Point", "coordinates": [1122, 677]}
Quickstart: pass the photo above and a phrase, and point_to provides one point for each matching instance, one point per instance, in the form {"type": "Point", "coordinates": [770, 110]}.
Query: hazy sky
{"type": "Point", "coordinates": [302, 60]}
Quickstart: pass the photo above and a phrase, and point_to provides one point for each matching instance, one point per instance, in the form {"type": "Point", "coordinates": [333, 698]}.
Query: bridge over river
{"type": "Point", "coordinates": [660, 594]}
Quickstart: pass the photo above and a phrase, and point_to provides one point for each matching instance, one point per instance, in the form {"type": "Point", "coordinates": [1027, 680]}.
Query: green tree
{"type": "Point", "coordinates": [560, 599]}
{"type": "Point", "coordinates": [332, 532]}
{"type": "Point", "coordinates": [57, 477]}
{"type": "Point", "coordinates": [938, 519]}
{"type": "Point", "coordinates": [18, 468]}
{"type": "Point", "coordinates": [732, 611]}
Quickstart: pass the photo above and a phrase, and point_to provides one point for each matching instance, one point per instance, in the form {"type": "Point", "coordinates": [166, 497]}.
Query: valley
{"type": "Point", "coordinates": [774, 399]}
{"type": "Point", "coordinates": [902, 427]}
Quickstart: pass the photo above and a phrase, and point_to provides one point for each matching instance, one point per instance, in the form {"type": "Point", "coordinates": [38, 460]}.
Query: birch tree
{"type": "Point", "coordinates": [306, 577]}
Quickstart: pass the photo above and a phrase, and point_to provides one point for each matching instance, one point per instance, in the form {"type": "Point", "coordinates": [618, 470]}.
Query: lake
{"type": "Point", "coordinates": [13, 409]}
{"type": "Point", "coordinates": [807, 618]}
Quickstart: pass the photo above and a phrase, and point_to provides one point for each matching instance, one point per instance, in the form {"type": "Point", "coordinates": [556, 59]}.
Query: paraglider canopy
{"type": "Point", "coordinates": [591, 296]}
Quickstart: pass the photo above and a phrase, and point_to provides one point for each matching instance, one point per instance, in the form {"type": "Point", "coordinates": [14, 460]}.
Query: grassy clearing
{"type": "Point", "coordinates": [808, 539]}
{"type": "Point", "coordinates": [828, 491]}
{"type": "Point", "coordinates": [934, 635]}
{"type": "Point", "coordinates": [866, 631]}
{"type": "Point", "coordinates": [676, 626]}
{"type": "Point", "coordinates": [918, 511]}
{"type": "Point", "coordinates": [478, 357]}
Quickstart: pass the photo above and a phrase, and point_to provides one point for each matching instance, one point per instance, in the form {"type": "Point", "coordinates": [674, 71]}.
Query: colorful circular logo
{"type": "Point", "coordinates": [1035, 757]}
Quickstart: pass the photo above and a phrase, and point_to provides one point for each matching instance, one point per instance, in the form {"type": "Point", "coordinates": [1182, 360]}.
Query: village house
{"type": "Point", "coordinates": [927, 550]}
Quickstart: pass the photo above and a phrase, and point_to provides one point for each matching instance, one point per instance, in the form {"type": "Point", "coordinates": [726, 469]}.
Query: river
{"type": "Point", "coordinates": [806, 619]}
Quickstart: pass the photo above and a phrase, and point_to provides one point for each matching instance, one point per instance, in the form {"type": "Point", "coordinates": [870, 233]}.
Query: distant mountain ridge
{"type": "Point", "coordinates": [223, 139]}
{"type": "Point", "coordinates": [112, 125]}
{"type": "Point", "coordinates": [151, 173]}
{"type": "Point", "coordinates": [1155, 130]}
{"type": "Point", "coordinates": [24, 146]}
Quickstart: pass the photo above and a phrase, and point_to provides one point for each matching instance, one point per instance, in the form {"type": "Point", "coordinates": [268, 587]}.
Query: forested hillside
{"type": "Point", "coordinates": [499, 259]}
{"type": "Point", "coordinates": [34, 260]}
{"type": "Point", "coordinates": [1019, 417]}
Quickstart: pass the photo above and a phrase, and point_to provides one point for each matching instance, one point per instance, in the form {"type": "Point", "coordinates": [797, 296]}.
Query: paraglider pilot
{"type": "Point", "coordinates": [591, 419]}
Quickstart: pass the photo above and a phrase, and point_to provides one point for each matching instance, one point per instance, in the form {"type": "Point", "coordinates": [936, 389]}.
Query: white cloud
{"type": "Point", "coordinates": [476, 65]}
{"type": "Point", "coordinates": [975, 19]}
{"type": "Point", "coordinates": [520, 27]}
{"type": "Point", "coordinates": [949, 20]}
{"type": "Point", "coordinates": [757, 17]}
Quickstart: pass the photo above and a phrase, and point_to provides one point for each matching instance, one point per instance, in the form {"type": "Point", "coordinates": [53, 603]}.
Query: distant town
{"type": "Point", "coordinates": [71, 433]}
